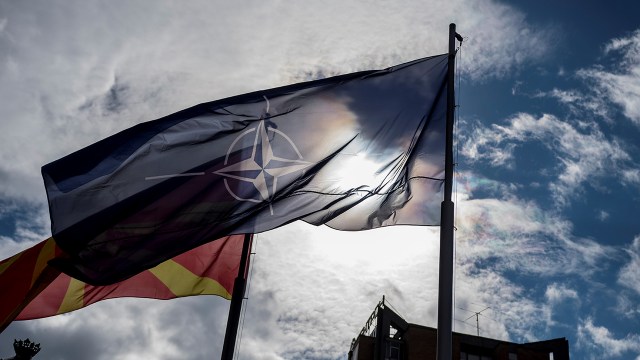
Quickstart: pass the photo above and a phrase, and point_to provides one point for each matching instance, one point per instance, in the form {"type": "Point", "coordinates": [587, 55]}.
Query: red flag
{"type": "Point", "coordinates": [209, 269]}
{"type": "Point", "coordinates": [23, 276]}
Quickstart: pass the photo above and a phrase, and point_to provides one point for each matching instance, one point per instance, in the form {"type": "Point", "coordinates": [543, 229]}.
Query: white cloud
{"type": "Point", "coordinates": [629, 275]}
{"type": "Point", "coordinates": [513, 314]}
{"type": "Point", "coordinates": [30, 229]}
{"type": "Point", "coordinates": [556, 293]}
{"type": "Point", "coordinates": [560, 298]}
{"type": "Point", "coordinates": [187, 328]}
{"type": "Point", "coordinates": [622, 85]}
{"type": "Point", "coordinates": [586, 105]}
{"type": "Point", "coordinates": [497, 54]}
{"type": "Point", "coordinates": [617, 44]}
{"type": "Point", "coordinates": [626, 306]}
{"type": "Point", "coordinates": [603, 215]}
{"type": "Point", "coordinates": [607, 85]}
{"type": "Point", "coordinates": [631, 176]}
{"type": "Point", "coordinates": [603, 343]}
{"type": "Point", "coordinates": [516, 87]}
{"type": "Point", "coordinates": [564, 96]}
{"type": "Point", "coordinates": [515, 234]}
{"type": "Point", "coordinates": [582, 151]}
{"type": "Point", "coordinates": [500, 234]}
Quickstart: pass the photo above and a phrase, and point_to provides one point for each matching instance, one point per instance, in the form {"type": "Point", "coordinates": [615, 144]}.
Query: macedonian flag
{"type": "Point", "coordinates": [31, 289]}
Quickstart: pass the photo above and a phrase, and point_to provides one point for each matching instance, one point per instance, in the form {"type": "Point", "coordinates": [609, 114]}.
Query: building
{"type": "Point", "coordinates": [387, 336]}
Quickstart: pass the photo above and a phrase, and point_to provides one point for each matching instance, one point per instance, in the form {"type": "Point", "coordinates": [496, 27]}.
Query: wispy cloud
{"type": "Point", "coordinates": [622, 84]}
{"type": "Point", "coordinates": [603, 215]}
{"type": "Point", "coordinates": [509, 233]}
{"type": "Point", "coordinates": [493, 51]}
{"type": "Point", "coordinates": [629, 275]}
{"type": "Point", "coordinates": [626, 306]}
{"type": "Point", "coordinates": [582, 151]}
{"type": "Point", "coordinates": [559, 292]}
{"type": "Point", "coordinates": [587, 105]}
{"type": "Point", "coordinates": [31, 226]}
{"type": "Point", "coordinates": [498, 234]}
{"type": "Point", "coordinates": [607, 85]}
{"type": "Point", "coordinates": [513, 312]}
{"type": "Point", "coordinates": [631, 176]}
{"type": "Point", "coordinates": [604, 344]}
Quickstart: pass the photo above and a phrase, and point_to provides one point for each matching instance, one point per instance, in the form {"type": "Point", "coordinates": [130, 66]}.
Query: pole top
{"type": "Point", "coordinates": [452, 30]}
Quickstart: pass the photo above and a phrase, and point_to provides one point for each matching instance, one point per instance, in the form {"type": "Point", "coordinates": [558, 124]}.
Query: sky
{"type": "Point", "coordinates": [547, 175]}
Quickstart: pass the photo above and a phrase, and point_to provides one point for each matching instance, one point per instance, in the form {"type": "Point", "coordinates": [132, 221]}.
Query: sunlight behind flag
{"type": "Point", "coordinates": [361, 171]}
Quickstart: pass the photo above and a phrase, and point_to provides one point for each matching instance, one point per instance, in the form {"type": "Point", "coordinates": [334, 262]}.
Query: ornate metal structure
{"type": "Point", "coordinates": [25, 350]}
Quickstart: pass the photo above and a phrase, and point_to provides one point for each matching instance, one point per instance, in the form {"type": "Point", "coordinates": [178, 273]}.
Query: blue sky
{"type": "Point", "coordinates": [547, 179]}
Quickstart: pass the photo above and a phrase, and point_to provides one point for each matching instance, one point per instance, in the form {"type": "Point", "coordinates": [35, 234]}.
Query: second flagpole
{"type": "Point", "coordinates": [235, 307]}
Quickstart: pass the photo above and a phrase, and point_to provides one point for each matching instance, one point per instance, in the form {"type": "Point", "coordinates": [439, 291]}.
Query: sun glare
{"type": "Point", "coordinates": [386, 248]}
{"type": "Point", "coordinates": [361, 171]}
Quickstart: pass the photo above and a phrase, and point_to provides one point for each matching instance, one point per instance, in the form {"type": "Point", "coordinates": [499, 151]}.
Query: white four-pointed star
{"type": "Point", "coordinates": [264, 162]}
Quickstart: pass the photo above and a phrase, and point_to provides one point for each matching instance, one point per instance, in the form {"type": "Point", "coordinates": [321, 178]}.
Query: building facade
{"type": "Point", "coordinates": [387, 336]}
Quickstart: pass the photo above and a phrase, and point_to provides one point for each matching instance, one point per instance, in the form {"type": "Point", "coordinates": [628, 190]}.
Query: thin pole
{"type": "Point", "coordinates": [445, 287]}
{"type": "Point", "coordinates": [477, 315]}
{"type": "Point", "coordinates": [235, 307]}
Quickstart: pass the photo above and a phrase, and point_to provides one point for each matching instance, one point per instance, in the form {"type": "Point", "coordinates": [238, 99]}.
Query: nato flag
{"type": "Point", "coordinates": [355, 152]}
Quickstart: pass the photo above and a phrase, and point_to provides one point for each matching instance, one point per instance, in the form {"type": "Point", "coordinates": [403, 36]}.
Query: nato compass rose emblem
{"type": "Point", "coordinates": [263, 167]}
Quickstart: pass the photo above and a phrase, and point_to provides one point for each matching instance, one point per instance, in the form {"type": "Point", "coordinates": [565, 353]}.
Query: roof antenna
{"type": "Point", "coordinates": [476, 314]}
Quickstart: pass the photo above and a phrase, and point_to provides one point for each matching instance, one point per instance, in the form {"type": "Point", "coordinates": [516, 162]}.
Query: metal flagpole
{"type": "Point", "coordinates": [445, 287]}
{"type": "Point", "coordinates": [236, 303]}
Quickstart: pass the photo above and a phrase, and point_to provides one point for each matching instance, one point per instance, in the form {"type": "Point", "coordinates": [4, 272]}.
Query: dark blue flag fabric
{"type": "Point", "coordinates": [356, 151]}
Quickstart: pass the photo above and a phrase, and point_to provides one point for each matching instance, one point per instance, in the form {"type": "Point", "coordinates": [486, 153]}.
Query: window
{"type": "Point", "coordinates": [393, 351]}
{"type": "Point", "coordinates": [466, 356]}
